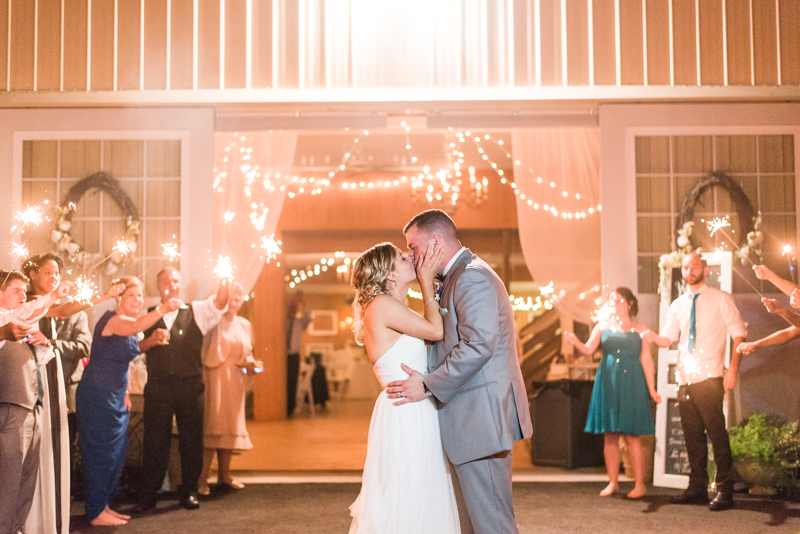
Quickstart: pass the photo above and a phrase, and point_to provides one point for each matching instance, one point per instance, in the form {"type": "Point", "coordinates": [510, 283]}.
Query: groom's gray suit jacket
{"type": "Point", "coordinates": [474, 372]}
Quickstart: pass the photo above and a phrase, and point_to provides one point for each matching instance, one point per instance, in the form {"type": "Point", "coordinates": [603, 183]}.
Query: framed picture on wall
{"type": "Point", "coordinates": [324, 323]}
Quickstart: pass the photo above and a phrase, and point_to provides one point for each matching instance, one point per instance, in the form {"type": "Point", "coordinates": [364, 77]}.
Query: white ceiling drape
{"type": "Point", "coordinates": [250, 168]}
{"type": "Point", "coordinates": [557, 170]}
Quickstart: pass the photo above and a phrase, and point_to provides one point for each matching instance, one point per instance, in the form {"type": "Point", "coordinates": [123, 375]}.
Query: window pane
{"type": "Point", "coordinates": [693, 154]}
{"type": "Point", "coordinates": [163, 198]}
{"type": "Point", "coordinates": [159, 232]}
{"type": "Point", "coordinates": [652, 155]}
{"type": "Point", "coordinates": [648, 274]}
{"type": "Point", "coordinates": [777, 193]}
{"type": "Point", "coordinates": [123, 159]}
{"type": "Point", "coordinates": [79, 159]}
{"type": "Point", "coordinates": [134, 190]}
{"type": "Point", "coordinates": [736, 153]}
{"type": "Point", "coordinates": [44, 157]}
{"type": "Point", "coordinates": [652, 194]}
{"type": "Point", "coordinates": [776, 153]}
{"type": "Point", "coordinates": [654, 234]}
{"type": "Point", "coordinates": [164, 159]}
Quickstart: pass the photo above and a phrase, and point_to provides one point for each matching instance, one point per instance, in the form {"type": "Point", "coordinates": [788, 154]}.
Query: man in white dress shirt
{"type": "Point", "coordinates": [175, 387]}
{"type": "Point", "coordinates": [700, 321]}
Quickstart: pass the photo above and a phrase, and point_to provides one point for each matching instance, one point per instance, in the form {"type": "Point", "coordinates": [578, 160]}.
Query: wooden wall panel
{"type": "Point", "coordinates": [658, 42]}
{"type": "Point", "coordinates": [262, 44]}
{"type": "Point", "coordinates": [738, 25]}
{"type": "Point", "coordinates": [711, 57]}
{"type": "Point", "coordinates": [765, 42]}
{"type": "Point", "coordinates": [522, 77]}
{"type": "Point", "coordinates": [577, 42]}
{"type": "Point", "coordinates": [129, 44]}
{"type": "Point", "coordinates": [3, 45]}
{"type": "Point", "coordinates": [235, 43]}
{"type": "Point", "coordinates": [684, 42]}
{"type": "Point", "coordinates": [208, 45]}
{"type": "Point", "coordinates": [551, 42]}
{"type": "Point", "coordinates": [22, 45]}
{"type": "Point", "coordinates": [48, 48]}
{"type": "Point", "coordinates": [181, 45]}
{"type": "Point", "coordinates": [269, 344]}
{"type": "Point", "coordinates": [790, 42]}
{"type": "Point", "coordinates": [155, 44]}
{"type": "Point", "coordinates": [631, 43]}
{"type": "Point", "coordinates": [75, 32]}
{"type": "Point", "coordinates": [290, 45]}
{"type": "Point", "coordinates": [605, 55]}
{"type": "Point", "coordinates": [102, 56]}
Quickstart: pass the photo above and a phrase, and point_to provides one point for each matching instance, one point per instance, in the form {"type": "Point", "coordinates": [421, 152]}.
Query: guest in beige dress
{"type": "Point", "coordinates": [227, 355]}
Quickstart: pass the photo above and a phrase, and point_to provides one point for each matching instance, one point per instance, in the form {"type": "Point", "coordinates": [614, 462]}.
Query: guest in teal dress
{"type": "Point", "coordinates": [623, 386]}
{"type": "Point", "coordinates": [102, 401]}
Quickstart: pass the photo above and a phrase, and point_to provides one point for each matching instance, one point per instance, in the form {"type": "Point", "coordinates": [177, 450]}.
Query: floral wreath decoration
{"type": "Point", "coordinates": [69, 249]}
{"type": "Point", "coordinates": [751, 246]}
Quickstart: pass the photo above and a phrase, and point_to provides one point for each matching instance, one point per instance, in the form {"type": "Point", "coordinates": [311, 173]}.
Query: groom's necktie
{"type": "Point", "coordinates": [693, 323]}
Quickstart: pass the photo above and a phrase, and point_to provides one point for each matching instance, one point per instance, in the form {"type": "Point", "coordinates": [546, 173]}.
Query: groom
{"type": "Point", "coordinates": [474, 376]}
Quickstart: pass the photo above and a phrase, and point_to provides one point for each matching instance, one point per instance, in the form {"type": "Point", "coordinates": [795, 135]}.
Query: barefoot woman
{"type": "Point", "coordinates": [103, 405]}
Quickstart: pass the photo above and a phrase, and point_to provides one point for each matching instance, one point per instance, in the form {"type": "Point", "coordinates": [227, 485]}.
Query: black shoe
{"type": "Point", "coordinates": [690, 497]}
{"type": "Point", "coordinates": [723, 501]}
{"type": "Point", "coordinates": [190, 502]}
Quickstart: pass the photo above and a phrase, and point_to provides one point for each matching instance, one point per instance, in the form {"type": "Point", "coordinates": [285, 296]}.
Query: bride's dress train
{"type": "Point", "coordinates": [406, 487]}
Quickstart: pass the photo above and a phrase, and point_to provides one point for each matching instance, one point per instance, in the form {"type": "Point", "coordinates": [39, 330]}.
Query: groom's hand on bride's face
{"type": "Point", "coordinates": [408, 390]}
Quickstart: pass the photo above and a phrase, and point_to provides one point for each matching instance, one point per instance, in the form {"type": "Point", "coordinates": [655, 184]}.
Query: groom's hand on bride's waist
{"type": "Point", "coordinates": [408, 390]}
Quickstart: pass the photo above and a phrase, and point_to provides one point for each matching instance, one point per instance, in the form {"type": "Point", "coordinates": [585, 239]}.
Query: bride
{"type": "Point", "coordinates": [406, 485]}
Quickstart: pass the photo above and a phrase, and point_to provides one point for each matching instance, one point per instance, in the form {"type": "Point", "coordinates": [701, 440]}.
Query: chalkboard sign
{"type": "Point", "coordinates": [676, 461]}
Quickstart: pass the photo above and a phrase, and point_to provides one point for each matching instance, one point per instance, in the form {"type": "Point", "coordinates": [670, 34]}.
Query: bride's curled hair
{"type": "Point", "coordinates": [370, 279]}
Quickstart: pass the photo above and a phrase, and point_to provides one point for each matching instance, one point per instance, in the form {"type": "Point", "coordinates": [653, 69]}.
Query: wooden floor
{"type": "Point", "coordinates": [334, 440]}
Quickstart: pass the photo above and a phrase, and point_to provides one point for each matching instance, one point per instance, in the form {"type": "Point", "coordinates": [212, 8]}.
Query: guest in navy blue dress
{"type": "Point", "coordinates": [102, 401]}
{"type": "Point", "coordinates": [623, 386]}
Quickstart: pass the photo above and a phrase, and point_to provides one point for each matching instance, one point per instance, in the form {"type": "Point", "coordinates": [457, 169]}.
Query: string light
{"type": "Point", "coordinates": [272, 248]}
{"type": "Point", "coordinates": [301, 275]}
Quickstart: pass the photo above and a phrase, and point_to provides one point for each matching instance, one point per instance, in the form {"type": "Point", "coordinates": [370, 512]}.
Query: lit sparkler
{"type": "Point", "coordinates": [20, 251]}
{"type": "Point", "coordinates": [224, 269]}
{"type": "Point", "coordinates": [787, 251]}
{"type": "Point", "coordinates": [718, 223]}
{"type": "Point", "coordinates": [123, 248]}
{"type": "Point", "coordinates": [604, 313]}
{"type": "Point", "coordinates": [32, 215]}
{"type": "Point", "coordinates": [86, 290]}
{"type": "Point", "coordinates": [171, 251]}
{"type": "Point", "coordinates": [272, 247]}
{"type": "Point", "coordinates": [229, 215]}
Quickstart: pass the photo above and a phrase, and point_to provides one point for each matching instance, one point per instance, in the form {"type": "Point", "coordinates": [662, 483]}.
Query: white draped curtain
{"type": "Point", "coordinates": [558, 170]}
{"type": "Point", "coordinates": [250, 168]}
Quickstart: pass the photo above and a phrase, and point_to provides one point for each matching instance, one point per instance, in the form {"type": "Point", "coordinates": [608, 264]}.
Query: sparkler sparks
{"type": "Point", "coordinates": [718, 223]}
{"type": "Point", "coordinates": [33, 215]}
{"type": "Point", "coordinates": [604, 313]}
{"type": "Point", "coordinates": [122, 246]}
{"type": "Point", "coordinates": [272, 247]}
{"type": "Point", "coordinates": [171, 251]}
{"type": "Point", "coordinates": [229, 215]}
{"type": "Point", "coordinates": [20, 251]}
{"type": "Point", "coordinates": [787, 249]}
{"type": "Point", "coordinates": [224, 269]}
{"type": "Point", "coordinates": [86, 290]}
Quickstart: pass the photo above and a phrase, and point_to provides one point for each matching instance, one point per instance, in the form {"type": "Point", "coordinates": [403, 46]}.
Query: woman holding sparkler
{"type": "Point", "coordinates": [103, 404]}
{"type": "Point", "coordinates": [623, 386]}
{"type": "Point", "coordinates": [227, 351]}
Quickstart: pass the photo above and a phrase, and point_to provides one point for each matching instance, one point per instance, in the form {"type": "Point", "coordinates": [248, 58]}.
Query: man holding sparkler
{"type": "Point", "coordinates": [699, 321]}
{"type": "Point", "coordinates": [175, 387]}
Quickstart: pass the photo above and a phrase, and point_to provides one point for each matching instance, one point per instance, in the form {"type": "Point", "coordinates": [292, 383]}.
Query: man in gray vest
{"type": "Point", "coordinates": [175, 388]}
{"type": "Point", "coordinates": [474, 376]}
{"type": "Point", "coordinates": [20, 407]}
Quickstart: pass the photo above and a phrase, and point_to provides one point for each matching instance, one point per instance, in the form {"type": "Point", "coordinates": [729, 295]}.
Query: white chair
{"type": "Point", "coordinates": [304, 386]}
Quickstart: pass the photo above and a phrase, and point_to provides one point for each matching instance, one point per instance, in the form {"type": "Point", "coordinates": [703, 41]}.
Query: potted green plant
{"type": "Point", "coordinates": [766, 452]}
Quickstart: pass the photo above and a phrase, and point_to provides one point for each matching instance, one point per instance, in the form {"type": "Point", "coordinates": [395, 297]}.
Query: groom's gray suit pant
{"type": "Point", "coordinates": [483, 490]}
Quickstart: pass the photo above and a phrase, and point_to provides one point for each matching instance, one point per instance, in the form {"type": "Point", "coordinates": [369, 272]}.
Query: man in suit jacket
{"type": "Point", "coordinates": [20, 406]}
{"type": "Point", "coordinates": [474, 375]}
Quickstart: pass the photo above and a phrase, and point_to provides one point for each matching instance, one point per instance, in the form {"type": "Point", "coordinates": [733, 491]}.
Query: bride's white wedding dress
{"type": "Point", "coordinates": [406, 487]}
